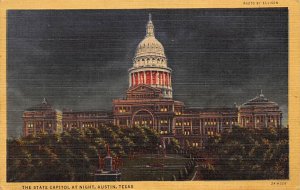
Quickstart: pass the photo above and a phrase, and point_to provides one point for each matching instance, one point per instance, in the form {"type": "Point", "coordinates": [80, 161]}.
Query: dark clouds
{"type": "Point", "coordinates": [79, 59]}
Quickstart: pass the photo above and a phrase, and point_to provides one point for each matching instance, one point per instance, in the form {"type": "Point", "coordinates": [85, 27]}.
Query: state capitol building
{"type": "Point", "coordinates": [149, 102]}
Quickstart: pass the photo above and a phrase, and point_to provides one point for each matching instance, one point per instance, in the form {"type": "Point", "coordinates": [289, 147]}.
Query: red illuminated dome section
{"type": "Point", "coordinates": [150, 64]}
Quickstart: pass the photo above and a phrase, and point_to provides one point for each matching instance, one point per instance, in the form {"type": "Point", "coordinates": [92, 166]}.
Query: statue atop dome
{"type": "Point", "coordinates": [150, 27]}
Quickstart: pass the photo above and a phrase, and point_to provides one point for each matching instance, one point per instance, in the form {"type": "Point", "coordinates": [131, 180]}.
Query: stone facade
{"type": "Point", "coordinates": [42, 118]}
{"type": "Point", "coordinates": [149, 102]}
{"type": "Point", "coordinates": [260, 112]}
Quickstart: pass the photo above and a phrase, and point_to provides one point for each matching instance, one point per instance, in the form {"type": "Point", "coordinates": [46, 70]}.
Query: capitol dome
{"type": "Point", "coordinates": [150, 46]}
{"type": "Point", "coordinates": [150, 52]}
{"type": "Point", "coordinates": [150, 66]}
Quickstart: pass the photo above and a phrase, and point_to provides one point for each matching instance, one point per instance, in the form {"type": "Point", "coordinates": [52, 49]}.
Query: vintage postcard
{"type": "Point", "coordinates": [149, 95]}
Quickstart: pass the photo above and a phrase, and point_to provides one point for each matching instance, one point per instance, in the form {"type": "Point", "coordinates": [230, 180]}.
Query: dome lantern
{"type": "Point", "coordinates": [150, 27]}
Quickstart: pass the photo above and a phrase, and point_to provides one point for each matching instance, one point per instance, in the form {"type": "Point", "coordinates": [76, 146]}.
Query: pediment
{"type": "Point", "coordinates": [143, 92]}
{"type": "Point", "coordinates": [144, 89]}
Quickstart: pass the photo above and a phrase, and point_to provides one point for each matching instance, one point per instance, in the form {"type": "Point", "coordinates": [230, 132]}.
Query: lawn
{"type": "Point", "coordinates": [152, 167]}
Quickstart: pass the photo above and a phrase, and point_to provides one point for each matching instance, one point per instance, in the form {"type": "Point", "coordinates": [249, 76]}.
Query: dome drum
{"type": "Point", "coordinates": [150, 61]}
{"type": "Point", "coordinates": [155, 78]}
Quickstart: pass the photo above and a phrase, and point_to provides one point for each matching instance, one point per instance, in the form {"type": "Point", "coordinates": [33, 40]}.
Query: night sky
{"type": "Point", "coordinates": [78, 59]}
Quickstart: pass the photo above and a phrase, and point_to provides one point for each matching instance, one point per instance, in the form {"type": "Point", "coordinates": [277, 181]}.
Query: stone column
{"type": "Point", "coordinates": [170, 83]}
{"type": "Point", "coordinates": [266, 120]}
{"type": "Point", "coordinates": [173, 125]}
{"type": "Point", "coordinates": [133, 81]}
{"type": "Point", "coordinates": [145, 79]}
{"type": "Point", "coordinates": [168, 75]}
{"type": "Point", "coordinates": [157, 78]}
{"type": "Point", "coordinates": [150, 77]}
{"type": "Point", "coordinates": [200, 126]}
{"type": "Point", "coordinates": [182, 127]}
{"type": "Point", "coordinates": [158, 125]}
{"type": "Point", "coordinates": [169, 125]}
{"type": "Point", "coordinates": [138, 75]}
{"type": "Point", "coordinates": [164, 79]}
{"type": "Point", "coordinates": [280, 120]}
{"type": "Point", "coordinates": [43, 125]}
{"type": "Point", "coordinates": [191, 124]}
{"type": "Point", "coordinates": [34, 128]}
{"type": "Point", "coordinates": [221, 126]}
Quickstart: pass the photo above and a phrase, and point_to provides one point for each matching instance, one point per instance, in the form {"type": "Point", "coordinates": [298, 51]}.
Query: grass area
{"type": "Point", "coordinates": [152, 167]}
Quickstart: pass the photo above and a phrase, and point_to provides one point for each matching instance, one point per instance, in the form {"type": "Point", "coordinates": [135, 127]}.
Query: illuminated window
{"type": "Point", "coordinates": [178, 113]}
{"type": "Point", "coordinates": [195, 144]}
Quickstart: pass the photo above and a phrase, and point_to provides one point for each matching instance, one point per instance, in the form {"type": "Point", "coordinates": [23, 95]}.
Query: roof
{"type": "Point", "coordinates": [211, 109]}
{"type": "Point", "coordinates": [259, 100]}
{"type": "Point", "coordinates": [44, 106]}
{"type": "Point", "coordinates": [103, 112]}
